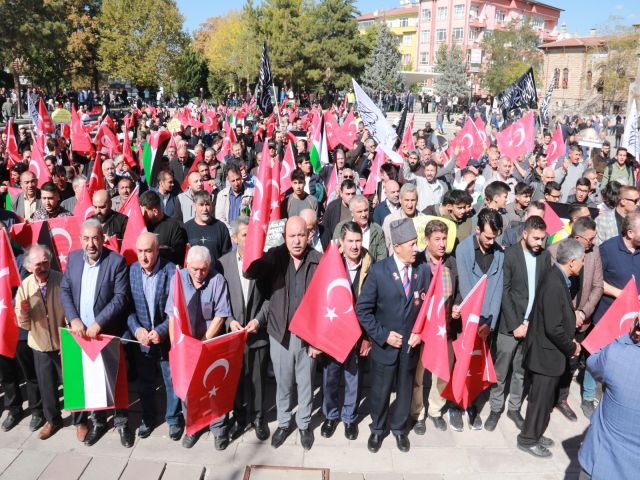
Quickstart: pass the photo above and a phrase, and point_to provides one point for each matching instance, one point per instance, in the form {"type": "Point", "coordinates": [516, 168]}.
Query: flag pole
{"type": "Point", "coordinates": [275, 98]}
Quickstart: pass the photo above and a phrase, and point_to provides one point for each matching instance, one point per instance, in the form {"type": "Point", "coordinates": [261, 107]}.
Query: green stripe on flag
{"type": "Point", "coordinates": [147, 161]}
{"type": "Point", "coordinates": [314, 157]}
{"type": "Point", "coordinates": [7, 202]}
{"type": "Point", "coordinates": [72, 372]}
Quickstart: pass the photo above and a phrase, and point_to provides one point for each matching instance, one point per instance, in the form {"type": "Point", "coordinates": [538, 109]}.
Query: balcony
{"type": "Point", "coordinates": [477, 22]}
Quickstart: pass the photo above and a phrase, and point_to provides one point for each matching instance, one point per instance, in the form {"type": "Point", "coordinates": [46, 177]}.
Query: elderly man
{"type": "Point", "coordinates": [387, 309]}
{"type": "Point", "coordinates": [408, 203]}
{"type": "Point", "coordinates": [50, 198]}
{"type": "Point", "coordinates": [27, 201]}
{"type": "Point", "coordinates": [39, 311]}
{"type": "Point", "coordinates": [235, 198]}
{"type": "Point", "coordinates": [180, 164]}
{"type": "Point", "coordinates": [184, 209]}
{"type": "Point", "coordinates": [110, 177]}
{"type": "Point", "coordinates": [572, 170]}
{"type": "Point", "coordinates": [95, 298]}
{"type": "Point", "coordinates": [249, 309]}
{"type": "Point", "coordinates": [78, 183]}
{"type": "Point", "coordinates": [113, 223]}
{"type": "Point", "coordinates": [314, 231]}
{"type": "Point", "coordinates": [205, 230]}
{"type": "Point", "coordinates": [372, 235]}
{"type": "Point", "coordinates": [390, 204]}
{"type": "Point", "coordinates": [207, 301]}
{"type": "Point", "coordinates": [548, 175]}
{"type": "Point", "coordinates": [288, 270]}
{"type": "Point", "coordinates": [171, 236]}
{"type": "Point", "coordinates": [548, 344]}
{"type": "Point", "coordinates": [125, 187]}
{"type": "Point", "coordinates": [149, 279]}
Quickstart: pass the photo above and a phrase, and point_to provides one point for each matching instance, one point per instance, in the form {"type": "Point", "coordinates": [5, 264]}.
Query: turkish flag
{"type": "Point", "coordinates": [210, 122]}
{"type": "Point", "coordinates": [9, 277]}
{"type": "Point", "coordinates": [407, 138]}
{"type": "Point", "coordinates": [112, 243]}
{"type": "Point", "coordinates": [332, 181]}
{"type": "Point", "coordinates": [552, 220]}
{"type": "Point", "coordinates": [431, 325]}
{"type": "Point", "coordinates": [229, 132]}
{"type": "Point", "coordinates": [106, 141]}
{"type": "Point", "coordinates": [126, 144]}
{"type": "Point", "coordinates": [65, 235]}
{"type": "Point", "coordinates": [12, 144]}
{"type": "Point", "coordinates": [192, 168]}
{"type": "Point", "coordinates": [96, 180]}
{"type": "Point", "coordinates": [260, 212]}
{"type": "Point", "coordinates": [184, 348]}
{"type": "Point", "coordinates": [274, 185]}
{"type": "Point", "coordinates": [349, 129]}
{"type": "Point", "coordinates": [616, 320]}
{"type": "Point", "coordinates": [473, 371]}
{"type": "Point", "coordinates": [518, 138]}
{"type": "Point", "coordinates": [135, 226]}
{"type": "Point", "coordinates": [481, 131]}
{"type": "Point", "coordinates": [287, 166]}
{"type": "Point", "coordinates": [37, 165]}
{"type": "Point", "coordinates": [334, 133]}
{"type": "Point", "coordinates": [467, 141]}
{"type": "Point", "coordinates": [109, 121]}
{"type": "Point", "coordinates": [45, 125]}
{"type": "Point", "coordinates": [80, 139]}
{"type": "Point", "coordinates": [371, 186]}
{"type": "Point", "coordinates": [326, 318]}
{"type": "Point", "coordinates": [84, 208]}
{"type": "Point", "coordinates": [556, 148]}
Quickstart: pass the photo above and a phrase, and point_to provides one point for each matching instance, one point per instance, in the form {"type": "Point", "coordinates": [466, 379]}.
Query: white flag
{"type": "Point", "coordinates": [630, 137]}
{"type": "Point", "coordinates": [373, 118]}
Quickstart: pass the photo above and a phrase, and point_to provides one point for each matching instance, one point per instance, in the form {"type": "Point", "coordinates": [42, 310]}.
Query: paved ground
{"type": "Point", "coordinates": [437, 455]}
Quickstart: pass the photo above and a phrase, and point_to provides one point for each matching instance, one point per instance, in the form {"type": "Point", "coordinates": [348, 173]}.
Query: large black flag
{"type": "Point", "coordinates": [402, 122]}
{"type": "Point", "coordinates": [265, 84]}
{"type": "Point", "coordinates": [520, 94]}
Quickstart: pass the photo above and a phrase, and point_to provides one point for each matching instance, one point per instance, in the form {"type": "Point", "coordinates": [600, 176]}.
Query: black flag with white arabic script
{"type": "Point", "coordinates": [264, 100]}
{"type": "Point", "coordinates": [520, 94]}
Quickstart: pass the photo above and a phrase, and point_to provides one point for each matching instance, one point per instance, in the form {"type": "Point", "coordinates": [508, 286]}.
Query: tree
{"type": "Point", "coordinates": [82, 45]}
{"type": "Point", "coordinates": [382, 72]}
{"type": "Point", "coordinates": [140, 40]}
{"type": "Point", "coordinates": [509, 54]}
{"type": "Point", "coordinates": [452, 81]}
{"type": "Point", "coordinates": [191, 74]}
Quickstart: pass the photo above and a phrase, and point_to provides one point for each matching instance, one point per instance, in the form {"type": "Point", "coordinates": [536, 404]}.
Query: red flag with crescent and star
{"type": "Point", "coordinates": [80, 139]}
{"type": "Point", "coordinates": [38, 167]}
{"type": "Point", "coordinates": [287, 166]}
{"type": "Point", "coordinates": [65, 235]}
{"type": "Point", "coordinates": [481, 130]}
{"type": "Point", "coordinates": [326, 318]}
{"type": "Point", "coordinates": [96, 180]}
{"type": "Point", "coordinates": [616, 320]}
{"type": "Point", "coordinates": [556, 148]}
{"type": "Point", "coordinates": [274, 185]}
{"type": "Point", "coordinates": [473, 371]}
{"type": "Point", "coordinates": [467, 141]}
{"type": "Point", "coordinates": [371, 186]}
{"type": "Point", "coordinates": [518, 138]}
{"type": "Point", "coordinates": [84, 208]}
{"type": "Point", "coordinates": [431, 325]}
{"type": "Point", "coordinates": [9, 277]}
{"type": "Point", "coordinates": [12, 145]}
{"type": "Point", "coordinates": [45, 125]}
{"type": "Point", "coordinates": [135, 226]}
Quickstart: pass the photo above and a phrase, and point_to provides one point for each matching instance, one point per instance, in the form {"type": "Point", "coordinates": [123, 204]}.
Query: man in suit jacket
{"type": "Point", "coordinates": [387, 309]}
{"type": "Point", "coordinates": [95, 298]}
{"type": "Point", "coordinates": [524, 265]}
{"type": "Point", "coordinates": [28, 201]}
{"type": "Point", "coordinates": [548, 345]}
{"type": "Point", "coordinates": [337, 211]}
{"type": "Point", "coordinates": [390, 204]}
{"type": "Point", "coordinates": [249, 307]}
{"type": "Point", "coordinates": [149, 279]}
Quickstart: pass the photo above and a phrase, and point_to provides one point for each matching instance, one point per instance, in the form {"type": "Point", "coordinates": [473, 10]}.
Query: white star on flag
{"type": "Point", "coordinates": [62, 258]}
{"type": "Point", "coordinates": [331, 314]}
{"type": "Point", "coordinates": [256, 216]}
{"type": "Point", "coordinates": [442, 331]}
{"type": "Point", "coordinates": [213, 391]}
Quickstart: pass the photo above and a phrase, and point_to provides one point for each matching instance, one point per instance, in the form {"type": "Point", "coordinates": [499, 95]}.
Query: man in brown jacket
{"type": "Point", "coordinates": [39, 311]}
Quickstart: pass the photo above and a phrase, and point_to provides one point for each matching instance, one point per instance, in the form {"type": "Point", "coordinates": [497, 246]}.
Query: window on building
{"type": "Point", "coordinates": [407, 39]}
{"type": "Point", "coordinates": [406, 59]}
{"type": "Point", "coordinates": [442, 13]}
{"type": "Point", "coordinates": [366, 23]}
{"type": "Point", "coordinates": [458, 12]}
{"type": "Point", "coordinates": [425, 36]}
{"type": "Point", "coordinates": [565, 78]}
{"type": "Point", "coordinates": [404, 22]}
{"type": "Point", "coordinates": [556, 76]}
{"type": "Point", "coordinates": [537, 23]}
{"type": "Point", "coordinates": [441, 35]}
{"type": "Point", "coordinates": [474, 11]}
{"type": "Point", "coordinates": [424, 58]}
{"type": "Point", "coordinates": [473, 34]}
{"type": "Point", "coordinates": [589, 80]}
{"type": "Point", "coordinates": [458, 34]}
{"type": "Point", "coordinates": [500, 16]}
{"type": "Point", "coordinates": [426, 15]}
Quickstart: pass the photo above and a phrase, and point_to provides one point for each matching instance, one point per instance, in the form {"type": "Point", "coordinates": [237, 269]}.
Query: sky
{"type": "Point", "coordinates": [579, 15]}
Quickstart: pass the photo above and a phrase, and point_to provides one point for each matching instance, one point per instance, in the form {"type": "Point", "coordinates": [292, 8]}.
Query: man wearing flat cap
{"type": "Point", "coordinates": [387, 309]}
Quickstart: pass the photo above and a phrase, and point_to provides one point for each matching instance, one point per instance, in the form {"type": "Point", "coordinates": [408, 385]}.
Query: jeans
{"type": "Point", "coordinates": [588, 386]}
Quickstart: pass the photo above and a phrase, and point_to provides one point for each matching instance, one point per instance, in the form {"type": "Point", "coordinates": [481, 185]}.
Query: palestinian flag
{"type": "Point", "coordinates": [94, 374]}
{"type": "Point", "coordinates": [316, 144]}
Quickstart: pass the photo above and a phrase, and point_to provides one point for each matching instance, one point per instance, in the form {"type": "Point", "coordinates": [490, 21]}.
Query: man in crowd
{"type": "Point", "coordinates": [337, 211]}
{"type": "Point", "coordinates": [408, 204]}
{"type": "Point", "coordinates": [231, 200]}
{"type": "Point", "coordinates": [184, 209]}
{"type": "Point", "coordinates": [205, 230]}
{"type": "Point", "coordinates": [372, 235]}
{"type": "Point", "coordinates": [78, 183]}
{"type": "Point", "coordinates": [28, 201]}
{"type": "Point", "coordinates": [125, 187]}
{"type": "Point", "coordinates": [390, 204]}
{"type": "Point", "coordinates": [430, 189]}
{"type": "Point", "coordinates": [113, 223]}
{"type": "Point", "coordinates": [609, 223]}
{"type": "Point", "coordinates": [167, 192]}
{"type": "Point", "coordinates": [180, 165]}
{"type": "Point", "coordinates": [171, 236]}
{"type": "Point", "coordinates": [298, 199]}
{"type": "Point", "coordinates": [110, 177]}
{"type": "Point", "coordinates": [50, 199]}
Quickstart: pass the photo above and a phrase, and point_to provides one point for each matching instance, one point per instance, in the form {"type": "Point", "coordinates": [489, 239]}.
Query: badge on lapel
{"type": "Point", "coordinates": [395, 276]}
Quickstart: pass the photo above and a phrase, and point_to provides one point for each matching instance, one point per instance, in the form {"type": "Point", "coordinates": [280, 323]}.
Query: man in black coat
{"type": "Point", "coordinates": [337, 211]}
{"type": "Point", "coordinates": [549, 344]}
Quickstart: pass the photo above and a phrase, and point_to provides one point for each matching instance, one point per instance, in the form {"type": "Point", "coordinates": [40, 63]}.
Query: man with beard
{"type": "Point", "coordinates": [205, 230]}
{"type": "Point", "coordinates": [50, 198]}
{"type": "Point", "coordinates": [113, 223]}
{"type": "Point", "coordinates": [412, 167]}
{"type": "Point", "coordinates": [430, 189]}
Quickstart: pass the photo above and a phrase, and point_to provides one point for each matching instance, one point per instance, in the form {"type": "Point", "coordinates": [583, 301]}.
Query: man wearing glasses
{"type": "Point", "coordinates": [609, 224]}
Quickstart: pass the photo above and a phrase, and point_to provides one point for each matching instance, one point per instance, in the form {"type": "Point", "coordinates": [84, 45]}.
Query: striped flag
{"type": "Point", "coordinates": [316, 144]}
{"type": "Point", "coordinates": [94, 374]}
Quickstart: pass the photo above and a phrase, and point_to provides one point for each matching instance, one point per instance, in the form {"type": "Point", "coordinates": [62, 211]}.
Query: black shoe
{"type": "Point", "coordinates": [188, 441]}
{"type": "Point", "coordinates": [12, 420]}
{"type": "Point", "coordinates": [36, 423]}
{"type": "Point", "coordinates": [351, 431]}
{"type": "Point", "coordinates": [126, 437]}
{"type": "Point", "coordinates": [145, 430]}
{"type": "Point", "coordinates": [546, 442]}
{"type": "Point", "coordinates": [516, 417]}
{"type": "Point", "coordinates": [402, 441]}
{"type": "Point", "coordinates": [328, 428]}
{"type": "Point", "coordinates": [491, 422]}
{"type": "Point", "coordinates": [420, 427]}
{"type": "Point", "coordinates": [588, 407]}
{"type": "Point", "coordinates": [222, 442]}
{"type": "Point", "coordinates": [374, 443]}
{"type": "Point", "coordinates": [238, 430]}
{"type": "Point", "coordinates": [95, 433]}
{"type": "Point", "coordinates": [566, 410]}
{"type": "Point", "coordinates": [439, 423]}
{"type": "Point", "coordinates": [262, 430]}
{"type": "Point", "coordinates": [455, 420]}
{"type": "Point", "coordinates": [306, 438]}
{"type": "Point", "coordinates": [536, 450]}
{"type": "Point", "coordinates": [279, 436]}
{"type": "Point", "coordinates": [175, 432]}
{"type": "Point", "coordinates": [475, 422]}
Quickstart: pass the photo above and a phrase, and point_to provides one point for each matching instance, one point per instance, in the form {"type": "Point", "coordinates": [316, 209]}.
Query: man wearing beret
{"type": "Point", "coordinates": [387, 309]}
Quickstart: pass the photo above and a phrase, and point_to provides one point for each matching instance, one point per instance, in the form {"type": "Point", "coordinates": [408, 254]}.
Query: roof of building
{"type": "Point", "coordinates": [409, 9]}
{"type": "Point", "coordinates": [591, 41]}
{"type": "Point", "coordinates": [535, 2]}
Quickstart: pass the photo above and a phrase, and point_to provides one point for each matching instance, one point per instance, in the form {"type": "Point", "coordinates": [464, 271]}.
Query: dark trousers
{"type": "Point", "coordinates": [541, 402]}
{"type": "Point", "coordinates": [49, 373]}
{"type": "Point", "coordinates": [573, 364]}
{"type": "Point", "coordinates": [12, 371]}
{"type": "Point", "coordinates": [147, 364]}
{"type": "Point", "coordinates": [384, 378]}
{"type": "Point", "coordinates": [332, 372]}
{"type": "Point", "coordinates": [99, 417]}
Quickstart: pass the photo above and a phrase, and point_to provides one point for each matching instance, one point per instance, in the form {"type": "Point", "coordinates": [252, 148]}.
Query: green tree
{"type": "Point", "coordinates": [382, 71]}
{"type": "Point", "coordinates": [451, 66]}
{"type": "Point", "coordinates": [250, 43]}
{"type": "Point", "coordinates": [509, 54]}
{"type": "Point", "coordinates": [140, 40]}
{"type": "Point", "coordinates": [191, 74]}
{"type": "Point", "coordinates": [82, 44]}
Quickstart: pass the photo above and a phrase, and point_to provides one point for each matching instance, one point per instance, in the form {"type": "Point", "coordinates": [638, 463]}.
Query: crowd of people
{"type": "Point", "coordinates": [543, 296]}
